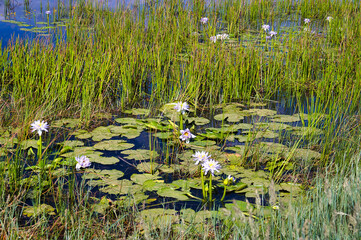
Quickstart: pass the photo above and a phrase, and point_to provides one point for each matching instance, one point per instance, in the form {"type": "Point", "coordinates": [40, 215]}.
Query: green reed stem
{"type": "Point", "coordinates": [210, 187]}
{"type": "Point", "coordinates": [224, 193]}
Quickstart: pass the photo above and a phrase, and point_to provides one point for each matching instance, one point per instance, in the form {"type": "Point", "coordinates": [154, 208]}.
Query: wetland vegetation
{"type": "Point", "coordinates": [233, 119]}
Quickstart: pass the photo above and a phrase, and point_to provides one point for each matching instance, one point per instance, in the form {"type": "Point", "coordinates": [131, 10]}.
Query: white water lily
{"type": "Point", "coordinates": [213, 39]}
{"type": "Point", "coordinates": [211, 166]}
{"type": "Point", "coordinates": [186, 135]}
{"type": "Point", "coordinates": [47, 12]}
{"type": "Point", "coordinates": [222, 36]}
{"type": "Point", "coordinates": [307, 20]}
{"type": "Point", "coordinates": [272, 33]}
{"type": "Point", "coordinates": [181, 107]}
{"type": "Point", "coordinates": [266, 27]}
{"type": "Point", "coordinates": [204, 20]}
{"type": "Point", "coordinates": [83, 162]}
{"type": "Point", "coordinates": [329, 18]}
{"type": "Point", "coordinates": [200, 157]}
{"type": "Point", "coordinates": [39, 126]}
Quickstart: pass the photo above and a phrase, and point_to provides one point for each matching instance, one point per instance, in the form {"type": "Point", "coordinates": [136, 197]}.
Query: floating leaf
{"type": "Point", "coordinates": [286, 118]}
{"type": "Point", "coordinates": [138, 111]}
{"type": "Point", "coordinates": [73, 144]}
{"type": "Point", "coordinates": [128, 131]}
{"type": "Point", "coordinates": [30, 143]}
{"type": "Point", "coordinates": [199, 121]}
{"type": "Point", "coordinates": [304, 131]}
{"type": "Point", "coordinates": [101, 133]}
{"type": "Point", "coordinates": [82, 134]}
{"type": "Point", "coordinates": [67, 122]}
{"type": "Point", "coordinates": [103, 160]}
{"type": "Point", "coordinates": [113, 145]}
{"type": "Point", "coordinates": [164, 135]}
{"type": "Point", "coordinates": [230, 117]}
{"type": "Point", "coordinates": [147, 166]}
{"type": "Point", "coordinates": [34, 211]}
{"type": "Point", "coordinates": [171, 193]}
{"type": "Point", "coordinates": [260, 112]}
{"type": "Point", "coordinates": [131, 121]}
{"type": "Point", "coordinates": [141, 178]}
{"type": "Point", "coordinates": [272, 126]}
{"type": "Point", "coordinates": [140, 154]}
{"type": "Point", "coordinates": [158, 126]}
{"type": "Point", "coordinates": [78, 151]}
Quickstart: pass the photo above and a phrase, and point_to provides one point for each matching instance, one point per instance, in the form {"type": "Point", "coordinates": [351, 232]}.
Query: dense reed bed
{"type": "Point", "coordinates": [159, 52]}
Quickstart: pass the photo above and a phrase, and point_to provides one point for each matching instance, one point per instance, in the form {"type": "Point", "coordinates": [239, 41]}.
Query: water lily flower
{"type": "Point", "coordinates": [181, 107]}
{"type": "Point", "coordinates": [222, 36]}
{"type": "Point", "coordinates": [199, 157]}
{"type": "Point", "coordinates": [329, 18]}
{"type": "Point", "coordinates": [83, 162]}
{"type": "Point", "coordinates": [204, 20]}
{"type": "Point", "coordinates": [47, 12]}
{"type": "Point", "coordinates": [265, 27]}
{"type": "Point", "coordinates": [39, 126]}
{"type": "Point", "coordinates": [213, 39]}
{"type": "Point", "coordinates": [229, 180]}
{"type": "Point", "coordinates": [272, 33]}
{"type": "Point", "coordinates": [307, 20]}
{"type": "Point", "coordinates": [186, 135]}
{"type": "Point", "coordinates": [211, 166]}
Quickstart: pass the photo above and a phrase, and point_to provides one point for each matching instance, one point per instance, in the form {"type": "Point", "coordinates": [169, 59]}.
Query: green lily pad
{"type": "Point", "coordinates": [73, 144]}
{"type": "Point", "coordinates": [79, 151]}
{"type": "Point", "coordinates": [262, 134]}
{"type": "Point", "coordinates": [113, 145]}
{"type": "Point", "coordinates": [128, 131]}
{"type": "Point", "coordinates": [171, 193]}
{"type": "Point", "coordinates": [66, 122]}
{"type": "Point", "coordinates": [260, 112]}
{"type": "Point", "coordinates": [199, 121]}
{"type": "Point", "coordinates": [270, 147]}
{"type": "Point", "coordinates": [121, 189]}
{"type": "Point", "coordinates": [273, 126]}
{"type": "Point", "coordinates": [140, 154]}
{"type": "Point", "coordinates": [151, 185]}
{"type": "Point", "coordinates": [203, 143]}
{"type": "Point", "coordinates": [231, 117]}
{"type": "Point", "coordinates": [164, 135]}
{"type": "Point", "coordinates": [286, 118]}
{"type": "Point", "coordinates": [147, 167]}
{"type": "Point", "coordinates": [82, 134]}
{"type": "Point", "coordinates": [158, 126]}
{"type": "Point", "coordinates": [101, 133]}
{"type": "Point", "coordinates": [103, 160]}
{"type": "Point", "coordinates": [138, 111]}
{"type": "Point", "coordinates": [306, 154]}
{"type": "Point", "coordinates": [131, 121]}
{"type": "Point", "coordinates": [303, 131]}
{"type": "Point", "coordinates": [34, 211]}
{"type": "Point", "coordinates": [30, 143]}
{"type": "Point", "coordinates": [141, 178]}
{"type": "Point", "coordinates": [293, 188]}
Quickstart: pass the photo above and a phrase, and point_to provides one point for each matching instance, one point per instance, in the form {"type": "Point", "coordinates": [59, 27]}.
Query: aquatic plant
{"type": "Point", "coordinates": [186, 135]}
{"type": "Point", "coordinates": [82, 162]}
{"type": "Point", "coordinates": [204, 20]}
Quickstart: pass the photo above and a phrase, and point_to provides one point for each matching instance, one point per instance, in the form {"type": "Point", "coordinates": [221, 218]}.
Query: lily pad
{"type": "Point", "coordinates": [113, 145]}
{"type": "Point", "coordinates": [30, 143]}
{"type": "Point", "coordinates": [140, 154]}
{"type": "Point", "coordinates": [79, 151]}
{"type": "Point", "coordinates": [286, 118]}
{"type": "Point", "coordinates": [82, 134]}
{"type": "Point", "coordinates": [73, 144]}
{"type": "Point", "coordinates": [128, 131]}
{"type": "Point", "coordinates": [199, 121]}
{"type": "Point", "coordinates": [101, 133]}
{"type": "Point", "coordinates": [141, 178]}
{"type": "Point", "coordinates": [260, 112]}
{"type": "Point", "coordinates": [132, 121]}
{"type": "Point", "coordinates": [230, 117]}
{"type": "Point", "coordinates": [103, 160]}
{"type": "Point", "coordinates": [34, 211]}
{"type": "Point", "coordinates": [138, 111]}
{"type": "Point", "coordinates": [171, 193]}
{"type": "Point", "coordinates": [304, 131]}
{"type": "Point", "coordinates": [66, 122]}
